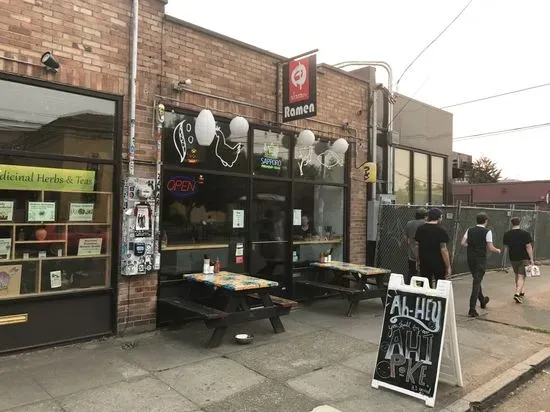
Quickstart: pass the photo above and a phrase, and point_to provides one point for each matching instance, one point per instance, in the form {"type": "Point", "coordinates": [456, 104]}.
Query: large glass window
{"type": "Point", "coordinates": [202, 215]}
{"type": "Point", "coordinates": [402, 165]}
{"type": "Point", "coordinates": [317, 222]}
{"type": "Point", "coordinates": [438, 178]}
{"type": "Point", "coordinates": [317, 162]}
{"type": "Point", "coordinates": [36, 119]}
{"type": "Point", "coordinates": [269, 229]}
{"type": "Point", "coordinates": [225, 153]}
{"type": "Point", "coordinates": [421, 194]}
{"type": "Point", "coordinates": [271, 153]}
{"type": "Point", "coordinates": [55, 226]}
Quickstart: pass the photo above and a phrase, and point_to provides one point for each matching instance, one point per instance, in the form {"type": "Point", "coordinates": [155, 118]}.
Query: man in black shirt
{"type": "Point", "coordinates": [520, 249]}
{"type": "Point", "coordinates": [432, 254]}
{"type": "Point", "coordinates": [478, 239]}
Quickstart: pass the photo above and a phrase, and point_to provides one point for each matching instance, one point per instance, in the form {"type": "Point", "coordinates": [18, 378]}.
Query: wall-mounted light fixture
{"type": "Point", "coordinates": [180, 86]}
{"type": "Point", "coordinates": [49, 62]}
{"type": "Point", "coordinates": [238, 127]}
{"type": "Point", "coordinates": [205, 128]}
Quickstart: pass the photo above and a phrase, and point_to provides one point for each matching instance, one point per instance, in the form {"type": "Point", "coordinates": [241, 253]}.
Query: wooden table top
{"type": "Point", "coordinates": [231, 281]}
{"type": "Point", "coordinates": [351, 267]}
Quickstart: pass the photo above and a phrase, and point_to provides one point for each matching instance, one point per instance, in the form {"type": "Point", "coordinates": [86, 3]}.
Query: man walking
{"type": "Point", "coordinates": [478, 240]}
{"type": "Point", "coordinates": [410, 232]}
{"type": "Point", "coordinates": [520, 250]}
{"type": "Point", "coordinates": [432, 254]}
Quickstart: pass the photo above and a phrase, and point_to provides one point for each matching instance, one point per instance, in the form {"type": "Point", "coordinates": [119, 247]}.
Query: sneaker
{"type": "Point", "coordinates": [517, 298]}
{"type": "Point", "coordinates": [522, 294]}
{"type": "Point", "coordinates": [473, 313]}
{"type": "Point", "coordinates": [485, 301]}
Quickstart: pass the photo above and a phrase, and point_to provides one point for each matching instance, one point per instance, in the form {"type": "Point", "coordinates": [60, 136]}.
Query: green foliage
{"type": "Point", "coordinates": [484, 170]}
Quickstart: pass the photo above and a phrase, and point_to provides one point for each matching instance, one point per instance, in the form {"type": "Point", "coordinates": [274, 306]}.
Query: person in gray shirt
{"type": "Point", "coordinates": [410, 232]}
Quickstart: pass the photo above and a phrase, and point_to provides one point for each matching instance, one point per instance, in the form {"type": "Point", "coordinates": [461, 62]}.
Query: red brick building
{"type": "Point", "coordinates": [521, 195]}
{"type": "Point", "coordinates": [91, 42]}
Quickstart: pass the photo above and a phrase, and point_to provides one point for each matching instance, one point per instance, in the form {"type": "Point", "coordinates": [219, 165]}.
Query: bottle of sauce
{"type": "Point", "coordinates": [217, 265]}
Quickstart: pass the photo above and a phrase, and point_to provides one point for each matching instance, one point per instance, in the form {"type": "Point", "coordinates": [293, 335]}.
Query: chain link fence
{"type": "Point", "coordinates": [391, 251]}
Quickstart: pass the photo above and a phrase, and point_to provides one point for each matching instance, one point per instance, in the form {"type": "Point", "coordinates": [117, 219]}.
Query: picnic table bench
{"type": "Point", "coordinates": [247, 299]}
{"type": "Point", "coordinates": [360, 274]}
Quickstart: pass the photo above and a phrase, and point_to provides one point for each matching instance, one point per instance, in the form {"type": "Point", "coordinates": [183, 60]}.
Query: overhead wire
{"type": "Point", "coordinates": [496, 95]}
{"type": "Point", "coordinates": [503, 131]}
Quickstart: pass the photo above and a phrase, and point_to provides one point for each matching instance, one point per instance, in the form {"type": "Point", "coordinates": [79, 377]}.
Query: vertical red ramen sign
{"type": "Point", "coordinates": [300, 88]}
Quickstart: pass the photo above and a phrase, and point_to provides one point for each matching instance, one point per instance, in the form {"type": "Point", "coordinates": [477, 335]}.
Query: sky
{"type": "Point", "coordinates": [496, 46]}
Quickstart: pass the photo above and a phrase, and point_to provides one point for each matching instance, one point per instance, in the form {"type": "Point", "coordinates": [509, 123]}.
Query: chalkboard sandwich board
{"type": "Point", "coordinates": [418, 343]}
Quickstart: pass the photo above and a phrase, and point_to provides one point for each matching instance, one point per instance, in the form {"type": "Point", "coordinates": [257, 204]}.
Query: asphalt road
{"type": "Point", "coordinates": [533, 396]}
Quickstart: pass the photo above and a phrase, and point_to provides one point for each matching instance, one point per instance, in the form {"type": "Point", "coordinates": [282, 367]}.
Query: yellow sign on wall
{"type": "Point", "coordinates": [369, 168]}
{"type": "Point", "coordinates": [15, 177]}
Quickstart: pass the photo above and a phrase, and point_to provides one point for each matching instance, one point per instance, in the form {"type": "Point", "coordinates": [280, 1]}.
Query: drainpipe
{"type": "Point", "coordinates": [133, 79]}
{"type": "Point", "coordinates": [387, 67]}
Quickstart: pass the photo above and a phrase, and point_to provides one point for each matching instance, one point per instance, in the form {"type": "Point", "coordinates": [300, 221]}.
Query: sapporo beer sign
{"type": "Point", "coordinates": [300, 88]}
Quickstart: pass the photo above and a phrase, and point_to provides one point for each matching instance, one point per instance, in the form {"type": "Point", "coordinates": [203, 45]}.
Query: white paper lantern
{"type": "Point", "coordinates": [205, 128]}
{"type": "Point", "coordinates": [340, 146]}
{"type": "Point", "coordinates": [238, 127]}
{"type": "Point", "coordinates": [305, 138]}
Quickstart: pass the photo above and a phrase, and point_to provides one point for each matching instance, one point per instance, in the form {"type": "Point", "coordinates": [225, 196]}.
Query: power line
{"type": "Point", "coordinates": [504, 131]}
{"type": "Point", "coordinates": [495, 95]}
{"type": "Point", "coordinates": [432, 42]}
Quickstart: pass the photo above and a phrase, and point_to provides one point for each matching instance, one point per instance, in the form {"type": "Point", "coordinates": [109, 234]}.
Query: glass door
{"type": "Point", "coordinates": [270, 230]}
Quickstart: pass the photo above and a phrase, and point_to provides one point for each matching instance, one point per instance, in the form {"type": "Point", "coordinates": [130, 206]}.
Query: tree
{"type": "Point", "coordinates": [484, 170]}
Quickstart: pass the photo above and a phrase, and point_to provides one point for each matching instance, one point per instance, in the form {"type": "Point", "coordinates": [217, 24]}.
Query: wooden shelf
{"type": "Point", "coordinates": [317, 242]}
{"type": "Point", "coordinates": [30, 242]}
{"type": "Point", "coordinates": [194, 247]}
{"type": "Point", "coordinates": [55, 292]}
{"type": "Point", "coordinates": [53, 258]}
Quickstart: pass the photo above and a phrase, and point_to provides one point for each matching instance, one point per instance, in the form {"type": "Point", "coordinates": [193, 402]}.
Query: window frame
{"type": "Point", "coordinates": [116, 162]}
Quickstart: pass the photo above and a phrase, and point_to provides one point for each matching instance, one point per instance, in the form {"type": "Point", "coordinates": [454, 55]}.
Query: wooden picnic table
{"type": "Point", "coordinates": [240, 290]}
{"type": "Point", "coordinates": [360, 274]}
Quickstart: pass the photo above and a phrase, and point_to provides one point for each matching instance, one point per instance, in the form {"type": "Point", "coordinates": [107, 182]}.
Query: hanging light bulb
{"type": "Point", "coordinates": [305, 138]}
{"type": "Point", "coordinates": [340, 146]}
{"type": "Point", "coordinates": [238, 127]}
{"type": "Point", "coordinates": [205, 127]}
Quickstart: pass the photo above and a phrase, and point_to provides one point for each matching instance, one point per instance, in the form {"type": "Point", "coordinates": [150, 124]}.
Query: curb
{"type": "Point", "coordinates": [496, 389]}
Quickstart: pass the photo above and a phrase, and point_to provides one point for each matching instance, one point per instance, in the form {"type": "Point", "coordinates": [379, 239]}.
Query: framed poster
{"type": "Point", "coordinates": [10, 280]}
{"type": "Point", "coordinates": [81, 212]}
{"type": "Point", "coordinates": [6, 210]}
{"type": "Point", "coordinates": [89, 246]}
{"type": "Point", "coordinates": [41, 212]}
{"type": "Point", "coordinates": [5, 248]}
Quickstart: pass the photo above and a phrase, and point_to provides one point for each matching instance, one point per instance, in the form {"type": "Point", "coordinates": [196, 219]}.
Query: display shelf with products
{"type": "Point", "coordinates": [69, 254]}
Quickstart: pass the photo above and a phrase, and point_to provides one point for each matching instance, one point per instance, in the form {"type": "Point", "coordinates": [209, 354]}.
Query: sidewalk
{"type": "Point", "coordinates": [324, 358]}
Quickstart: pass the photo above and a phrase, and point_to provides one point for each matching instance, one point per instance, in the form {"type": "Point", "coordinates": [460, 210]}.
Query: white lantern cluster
{"type": "Point", "coordinates": [305, 138]}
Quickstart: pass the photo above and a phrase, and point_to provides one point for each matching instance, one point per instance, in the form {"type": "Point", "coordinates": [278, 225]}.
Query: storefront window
{"type": "Point", "coordinates": [55, 226]}
{"type": "Point", "coordinates": [271, 153]}
{"type": "Point", "coordinates": [202, 215]}
{"type": "Point", "coordinates": [225, 153]}
{"type": "Point", "coordinates": [317, 222]}
{"type": "Point", "coordinates": [421, 182]}
{"type": "Point", "coordinates": [36, 119]}
{"type": "Point", "coordinates": [319, 163]}
{"type": "Point", "coordinates": [269, 229]}
{"type": "Point", "coordinates": [402, 163]}
{"type": "Point", "coordinates": [438, 173]}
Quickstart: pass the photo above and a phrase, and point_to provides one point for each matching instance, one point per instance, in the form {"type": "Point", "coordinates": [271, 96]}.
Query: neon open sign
{"type": "Point", "coordinates": [183, 186]}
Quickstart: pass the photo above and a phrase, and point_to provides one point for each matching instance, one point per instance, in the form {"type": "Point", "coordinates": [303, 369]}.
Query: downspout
{"type": "Point", "coordinates": [387, 67]}
{"type": "Point", "coordinates": [133, 80]}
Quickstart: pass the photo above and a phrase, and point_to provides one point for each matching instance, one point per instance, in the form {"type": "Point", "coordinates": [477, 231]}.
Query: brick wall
{"type": "Point", "coordinates": [91, 41]}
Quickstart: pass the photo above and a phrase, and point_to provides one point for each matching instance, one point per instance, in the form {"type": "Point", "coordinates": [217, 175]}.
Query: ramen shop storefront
{"type": "Point", "coordinates": [259, 203]}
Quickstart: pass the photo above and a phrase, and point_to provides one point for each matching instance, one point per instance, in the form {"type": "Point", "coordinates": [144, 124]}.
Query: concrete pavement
{"type": "Point", "coordinates": [323, 358]}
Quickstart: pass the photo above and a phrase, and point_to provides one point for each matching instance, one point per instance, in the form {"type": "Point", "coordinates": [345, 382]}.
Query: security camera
{"type": "Point", "coordinates": [49, 62]}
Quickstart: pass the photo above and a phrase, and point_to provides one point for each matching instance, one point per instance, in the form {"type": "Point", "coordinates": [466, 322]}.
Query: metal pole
{"type": "Point", "coordinates": [133, 80]}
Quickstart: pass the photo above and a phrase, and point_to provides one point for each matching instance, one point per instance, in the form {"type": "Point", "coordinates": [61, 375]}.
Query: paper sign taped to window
{"type": "Point", "coordinates": [297, 217]}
